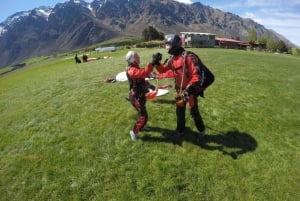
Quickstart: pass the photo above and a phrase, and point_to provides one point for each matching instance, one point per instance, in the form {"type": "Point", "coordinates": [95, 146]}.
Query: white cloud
{"type": "Point", "coordinates": [278, 16]}
{"type": "Point", "coordinates": [185, 1]}
{"type": "Point", "coordinates": [272, 3]}
{"type": "Point", "coordinates": [227, 6]}
{"type": "Point", "coordinates": [260, 3]}
{"type": "Point", "coordinates": [253, 17]}
{"type": "Point", "coordinates": [289, 27]}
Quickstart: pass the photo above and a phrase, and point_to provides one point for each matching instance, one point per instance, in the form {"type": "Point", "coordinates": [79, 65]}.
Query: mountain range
{"type": "Point", "coordinates": [76, 24]}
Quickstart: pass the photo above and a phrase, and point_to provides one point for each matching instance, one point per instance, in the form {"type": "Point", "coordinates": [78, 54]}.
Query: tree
{"type": "Point", "coordinates": [271, 45]}
{"type": "Point", "coordinates": [252, 36]}
{"type": "Point", "coordinates": [282, 47]}
{"type": "Point", "coordinates": [151, 33]}
{"type": "Point", "coordinates": [267, 35]}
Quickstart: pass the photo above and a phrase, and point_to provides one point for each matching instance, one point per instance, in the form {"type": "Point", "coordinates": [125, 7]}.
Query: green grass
{"type": "Point", "coordinates": [64, 133]}
{"type": "Point", "coordinates": [6, 69]}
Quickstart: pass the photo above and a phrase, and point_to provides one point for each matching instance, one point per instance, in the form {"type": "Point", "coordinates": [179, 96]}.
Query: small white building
{"type": "Point", "coordinates": [196, 39]}
{"type": "Point", "coordinates": [106, 49]}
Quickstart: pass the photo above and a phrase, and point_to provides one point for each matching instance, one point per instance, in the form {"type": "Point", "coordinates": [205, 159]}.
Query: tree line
{"type": "Point", "coordinates": [266, 42]}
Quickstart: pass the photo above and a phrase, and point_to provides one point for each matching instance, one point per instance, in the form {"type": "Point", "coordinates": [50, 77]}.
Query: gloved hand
{"type": "Point", "coordinates": [156, 58]}
{"type": "Point", "coordinates": [152, 75]}
{"type": "Point", "coordinates": [166, 60]}
{"type": "Point", "coordinates": [185, 94]}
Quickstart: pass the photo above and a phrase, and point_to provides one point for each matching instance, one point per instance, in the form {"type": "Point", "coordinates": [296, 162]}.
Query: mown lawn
{"type": "Point", "coordinates": [64, 133]}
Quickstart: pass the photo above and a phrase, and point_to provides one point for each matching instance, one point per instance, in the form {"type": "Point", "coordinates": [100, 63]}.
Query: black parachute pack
{"type": "Point", "coordinates": [205, 75]}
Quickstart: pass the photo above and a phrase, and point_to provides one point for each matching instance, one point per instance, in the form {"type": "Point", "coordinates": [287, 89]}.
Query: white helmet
{"type": "Point", "coordinates": [132, 57]}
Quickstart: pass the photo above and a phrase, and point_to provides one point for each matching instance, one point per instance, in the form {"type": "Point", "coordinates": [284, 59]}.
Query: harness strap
{"type": "Point", "coordinates": [184, 71]}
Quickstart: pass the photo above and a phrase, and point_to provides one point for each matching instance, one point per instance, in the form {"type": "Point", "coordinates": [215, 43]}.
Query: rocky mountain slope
{"type": "Point", "coordinates": [76, 24]}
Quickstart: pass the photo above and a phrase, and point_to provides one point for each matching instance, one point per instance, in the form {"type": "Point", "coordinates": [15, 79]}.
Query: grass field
{"type": "Point", "coordinates": [64, 133]}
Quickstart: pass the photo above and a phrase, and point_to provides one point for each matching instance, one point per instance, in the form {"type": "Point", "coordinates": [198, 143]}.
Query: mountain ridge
{"type": "Point", "coordinates": [77, 24]}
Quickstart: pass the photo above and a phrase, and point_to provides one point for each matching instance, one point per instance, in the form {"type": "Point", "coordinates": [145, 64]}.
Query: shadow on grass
{"type": "Point", "coordinates": [164, 101]}
{"type": "Point", "coordinates": [232, 143]}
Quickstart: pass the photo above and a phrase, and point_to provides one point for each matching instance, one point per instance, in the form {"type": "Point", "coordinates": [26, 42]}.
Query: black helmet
{"type": "Point", "coordinates": [174, 41]}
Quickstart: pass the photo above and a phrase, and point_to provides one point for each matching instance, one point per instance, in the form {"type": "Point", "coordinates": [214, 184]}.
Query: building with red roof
{"type": "Point", "coordinates": [230, 43]}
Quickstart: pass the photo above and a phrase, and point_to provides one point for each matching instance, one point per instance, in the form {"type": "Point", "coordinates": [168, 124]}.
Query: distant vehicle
{"type": "Point", "coordinates": [106, 49]}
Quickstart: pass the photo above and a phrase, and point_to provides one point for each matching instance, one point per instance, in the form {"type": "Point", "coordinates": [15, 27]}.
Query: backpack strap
{"type": "Point", "coordinates": [169, 62]}
{"type": "Point", "coordinates": [184, 69]}
{"type": "Point", "coordinates": [128, 77]}
{"type": "Point", "coordinates": [184, 53]}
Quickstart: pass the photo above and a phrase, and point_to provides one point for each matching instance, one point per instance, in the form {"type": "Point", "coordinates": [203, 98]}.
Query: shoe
{"type": "Point", "coordinates": [145, 128]}
{"type": "Point", "coordinates": [180, 134]}
{"type": "Point", "coordinates": [201, 135]}
{"type": "Point", "coordinates": [133, 135]}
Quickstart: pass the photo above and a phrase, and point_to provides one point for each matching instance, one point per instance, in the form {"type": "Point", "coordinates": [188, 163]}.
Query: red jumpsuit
{"type": "Point", "coordinates": [183, 80]}
{"type": "Point", "coordinates": [138, 87]}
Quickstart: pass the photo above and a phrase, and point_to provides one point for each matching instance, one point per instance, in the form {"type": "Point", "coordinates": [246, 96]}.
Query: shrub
{"type": "Point", "coordinates": [296, 51]}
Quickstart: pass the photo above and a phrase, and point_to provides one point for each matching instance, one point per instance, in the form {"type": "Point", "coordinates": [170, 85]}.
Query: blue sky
{"type": "Point", "coordinates": [283, 16]}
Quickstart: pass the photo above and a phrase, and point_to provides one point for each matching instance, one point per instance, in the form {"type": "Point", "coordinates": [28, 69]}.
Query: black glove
{"type": "Point", "coordinates": [152, 75]}
{"type": "Point", "coordinates": [166, 61]}
{"type": "Point", "coordinates": [156, 58]}
{"type": "Point", "coordinates": [185, 94]}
